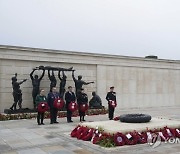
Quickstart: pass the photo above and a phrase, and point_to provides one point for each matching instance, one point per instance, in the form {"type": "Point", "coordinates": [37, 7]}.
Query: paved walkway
{"type": "Point", "coordinates": [26, 137]}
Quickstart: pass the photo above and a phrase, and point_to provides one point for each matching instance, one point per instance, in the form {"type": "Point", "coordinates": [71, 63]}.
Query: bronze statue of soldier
{"type": "Point", "coordinates": [17, 93]}
{"type": "Point", "coordinates": [62, 83]}
{"type": "Point", "coordinates": [79, 83]}
{"type": "Point", "coordinates": [52, 78]}
{"type": "Point", "coordinates": [36, 84]}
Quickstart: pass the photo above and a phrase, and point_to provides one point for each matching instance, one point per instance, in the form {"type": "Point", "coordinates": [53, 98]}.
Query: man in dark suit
{"type": "Point", "coordinates": [69, 97]}
{"type": "Point", "coordinates": [111, 96]}
{"type": "Point", "coordinates": [50, 100]}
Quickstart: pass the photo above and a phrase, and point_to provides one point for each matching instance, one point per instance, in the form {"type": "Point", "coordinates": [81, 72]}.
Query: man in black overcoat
{"type": "Point", "coordinates": [69, 97]}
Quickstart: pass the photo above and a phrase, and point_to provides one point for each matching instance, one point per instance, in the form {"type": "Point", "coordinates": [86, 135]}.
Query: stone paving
{"type": "Point", "coordinates": [26, 137]}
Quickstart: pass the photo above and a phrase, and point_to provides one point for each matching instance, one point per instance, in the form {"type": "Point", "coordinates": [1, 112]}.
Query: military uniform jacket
{"type": "Point", "coordinates": [69, 97]}
{"type": "Point", "coordinates": [111, 96]}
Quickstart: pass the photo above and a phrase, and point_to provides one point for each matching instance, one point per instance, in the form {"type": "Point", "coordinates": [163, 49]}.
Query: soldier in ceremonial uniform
{"type": "Point", "coordinates": [69, 97]}
{"type": "Point", "coordinates": [111, 96]}
{"type": "Point", "coordinates": [39, 99]}
{"type": "Point", "coordinates": [82, 98]}
{"type": "Point", "coordinates": [50, 100]}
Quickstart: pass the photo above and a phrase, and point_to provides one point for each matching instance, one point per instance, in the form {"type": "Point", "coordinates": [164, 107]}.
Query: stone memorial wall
{"type": "Point", "coordinates": [139, 82]}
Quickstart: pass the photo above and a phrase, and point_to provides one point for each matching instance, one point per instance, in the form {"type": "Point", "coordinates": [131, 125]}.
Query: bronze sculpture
{"type": "Point", "coordinates": [17, 93]}
{"type": "Point", "coordinates": [36, 84]}
{"type": "Point", "coordinates": [79, 83]}
{"type": "Point", "coordinates": [52, 78]}
{"type": "Point", "coordinates": [95, 101]}
{"type": "Point", "coordinates": [62, 83]}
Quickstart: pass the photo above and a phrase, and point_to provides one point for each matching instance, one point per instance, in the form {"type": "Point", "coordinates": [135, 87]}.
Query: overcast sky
{"type": "Point", "coordinates": [123, 27]}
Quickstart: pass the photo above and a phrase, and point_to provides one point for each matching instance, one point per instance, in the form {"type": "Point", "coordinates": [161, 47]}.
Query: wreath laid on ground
{"type": "Point", "coordinates": [98, 136]}
{"type": "Point", "coordinates": [135, 118]}
{"type": "Point", "coordinates": [119, 139]}
{"type": "Point", "coordinates": [141, 137]}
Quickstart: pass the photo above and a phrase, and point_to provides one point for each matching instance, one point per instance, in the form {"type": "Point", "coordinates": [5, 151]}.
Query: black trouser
{"type": "Point", "coordinates": [40, 115]}
{"type": "Point", "coordinates": [81, 114]}
{"type": "Point", "coordinates": [111, 112]}
{"type": "Point", "coordinates": [69, 115]}
{"type": "Point", "coordinates": [17, 99]}
{"type": "Point", "coordinates": [53, 114]}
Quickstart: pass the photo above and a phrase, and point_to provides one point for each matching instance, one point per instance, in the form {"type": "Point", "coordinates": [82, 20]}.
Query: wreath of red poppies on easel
{"type": "Point", "coordinates": [42, 107]}
{"type": "Point", "coordinates": [58, 103]}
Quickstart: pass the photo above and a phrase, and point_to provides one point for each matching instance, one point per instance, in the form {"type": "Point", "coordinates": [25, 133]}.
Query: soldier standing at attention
{"type": "Point", "coordinates": [69, 97]}
{"type": "Point", "coordinates": [111, 96]}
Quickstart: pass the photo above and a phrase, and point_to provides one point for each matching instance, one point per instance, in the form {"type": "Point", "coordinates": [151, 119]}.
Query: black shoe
{"type": "Point", "coordinates": [51, 122]}
{"type": "Point", "coordinates": [83, 120]}
{"type": "Point", "coordinates": [70, 121]}
{"type": "Point", "coordinates": [11, 108]}
{"type": "Point", "coordinates": [39, 124]}
{"type": "Point", "coordinates": [56, 122]}
{"type": "Point", "coordinates": [42, 123]}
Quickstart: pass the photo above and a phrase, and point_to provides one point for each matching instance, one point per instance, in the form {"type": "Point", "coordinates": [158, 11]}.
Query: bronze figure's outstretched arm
{"type": "Point", "coordinates": [22, 81]}
{"type": "Point", "coordinates": [86, 83]}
